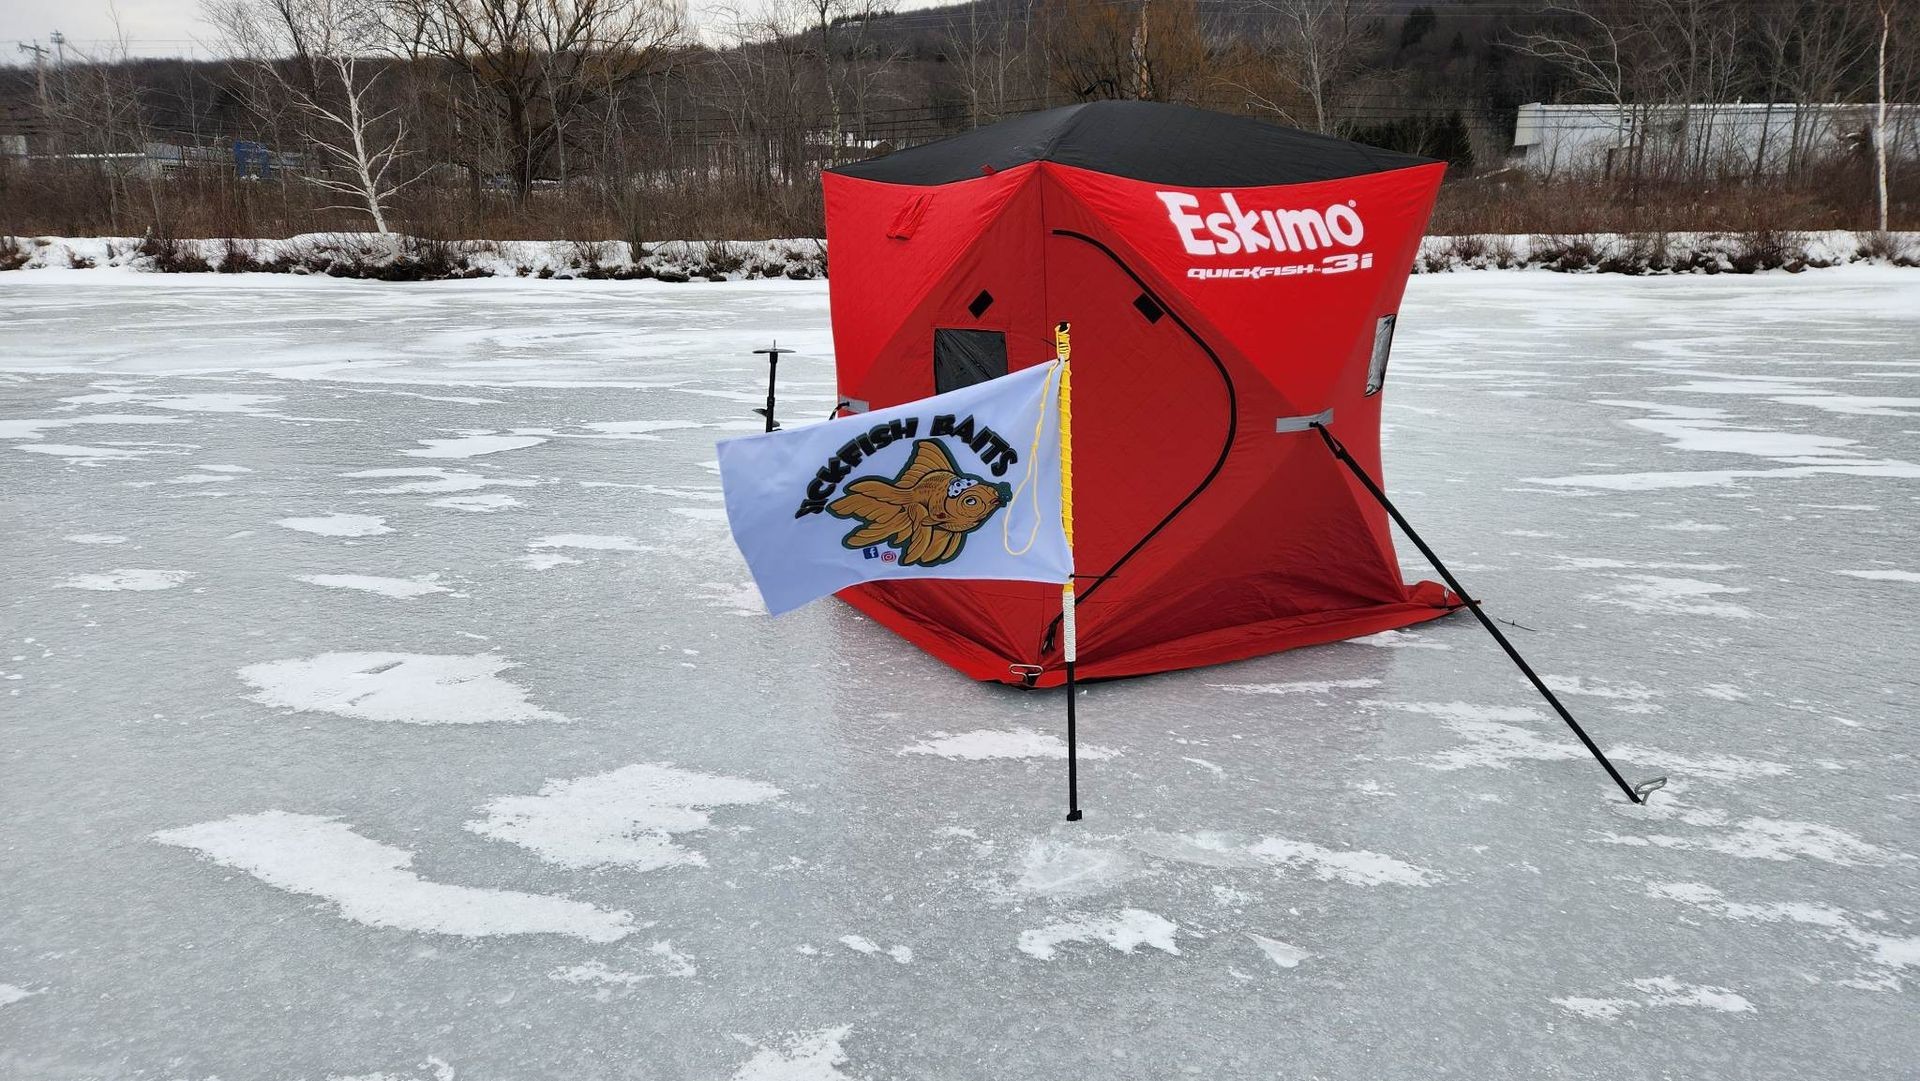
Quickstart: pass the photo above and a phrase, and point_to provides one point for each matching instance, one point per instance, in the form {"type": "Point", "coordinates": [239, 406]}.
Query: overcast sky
{"type": "Point", "coordinates": [169, 27]}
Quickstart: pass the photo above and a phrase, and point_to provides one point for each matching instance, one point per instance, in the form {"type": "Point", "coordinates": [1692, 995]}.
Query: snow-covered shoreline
{"type": "Point", "coordinates": [403, 258]}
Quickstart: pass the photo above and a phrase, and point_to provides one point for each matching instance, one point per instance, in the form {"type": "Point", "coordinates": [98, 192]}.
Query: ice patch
{"type": "Point", "coordinates": [372, 883]}
{"type": "Point", "coordinates": [1052, 868]}
{"type": "Point", "coordinates": [859, 944]}
{"type": "Point", "coordinates": [1125, 930]}
{"type": "Point", "coordinates": [810, 1056]}
{"type": "Point", "coordinates": [984, 744]}
{"type": "Point", "coordinates": [399, 588]}
{"type": "Point", "coordinates": [126, 578]}
{"type": "Point", "coordinates": [626, 818]}
{"type": "Point", "coordinates": [96, 538]}
{"type": "Point", "coordinates": [1299, 687]}
{"type": "Point", "coordinates": [1883, 576]}
{"type": "Point", "coordinates": [1280, 953]}
{"type": "Point", "coordinates": [407, 688]}
{"type": "Point", "coordinates": [742, 598]}
{"type": "Point", "coordinates": [598, 972]}
{"type": "Point", "coordinates": [1492, 740]}
{"type": "Point", "coordinates": [1726, 692]}
{"type": "Point", "coordinates": [339, 525]}
{"type": "Point", "coordinates": [472, 446]}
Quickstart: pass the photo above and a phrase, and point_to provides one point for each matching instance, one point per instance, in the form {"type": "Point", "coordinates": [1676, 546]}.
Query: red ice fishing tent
{"type": "Point", "coordinates": [1228, 282]}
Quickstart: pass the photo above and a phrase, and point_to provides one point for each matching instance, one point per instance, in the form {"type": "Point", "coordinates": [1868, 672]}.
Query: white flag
{"type": "Point", "coordinates": [960, 485]}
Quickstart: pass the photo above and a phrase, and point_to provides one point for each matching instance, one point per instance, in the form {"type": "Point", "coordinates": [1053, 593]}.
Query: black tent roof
{"type": "Point", "coordinates": [1143, 140]}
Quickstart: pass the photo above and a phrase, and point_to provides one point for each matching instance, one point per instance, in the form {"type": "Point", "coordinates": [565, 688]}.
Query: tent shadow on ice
{"type": "Point", "coordinates": [1229, 283]}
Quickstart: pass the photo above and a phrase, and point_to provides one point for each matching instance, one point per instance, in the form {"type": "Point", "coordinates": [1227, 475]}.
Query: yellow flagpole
{"type": "Point", "coordinates": [1069, 653]}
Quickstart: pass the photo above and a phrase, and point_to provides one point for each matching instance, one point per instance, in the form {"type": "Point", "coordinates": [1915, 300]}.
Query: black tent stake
{"type": "Point", "coordinates": [1637, 793]}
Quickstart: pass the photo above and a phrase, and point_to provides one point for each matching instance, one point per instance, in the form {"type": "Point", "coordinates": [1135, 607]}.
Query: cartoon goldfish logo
{"type": "Point", "coordinates": [926, 512]}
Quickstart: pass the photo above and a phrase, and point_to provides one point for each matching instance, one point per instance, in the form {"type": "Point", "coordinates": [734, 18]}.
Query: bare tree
{"type": "Point", "coordinates": [311, 54]}
{"type": "Point", "coordinates": [1880, 116]}
{"type": "Point", "coordinates": [540, 64]}
{"type": "Point", "coordinates": [1315, 48]}
{"type": "Point", "coordinates": [1113, 49]}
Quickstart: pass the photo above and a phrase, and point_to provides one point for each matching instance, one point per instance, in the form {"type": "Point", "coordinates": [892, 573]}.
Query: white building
{"type": "Point", "coordinates": [1738, 139]}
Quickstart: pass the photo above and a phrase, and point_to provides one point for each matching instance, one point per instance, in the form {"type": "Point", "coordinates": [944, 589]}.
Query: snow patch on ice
{"type": "Point", "coordinates": [1659, 992]}
{"type": "Point", "coordinates": [373, 883]}
{"type": "Point", "coordinates": [10, 994]}
{"type": "Point", "coordinates": [484, 503]}
{"type": "Point", "coordinates": [1126, 930]}
{"type": "Point", "coordinates": [472, 446]}
{"type": "Point", "coordinates": [1298, 687]}
{"type": "Point", "coordinates": [438, 480]}
{"type": "Point", "coordinates": [96, 538]}
{"type": "Point", "coordinates": [1887, 953]}
{"type": "Point", "coordinates": [1396, 640]}
{"type": "Point", "coordinates": [1748, 838]}
{"type": "Point", "coordinates": [126, 578]}
{"type": "Point", "coordinates": [806, 1056]}
{"type": "Point", "coordinates": [1579, 685]}
{"type": "Point", "coordinates": [406, 688]}
{"type": "Point", "coordinates": [1688, 525]}
{"type": "Point", "coordinates": [587, 541]}
{"type": "Point", "coordinates": [78, 455]}
{"type": "Point", "coordinates": [1280, 953]}
{"type": "Point", "coordinates": [339, 525]}
{"type": "Point", "coordinates": [1660, 596]}
{"type": "Point", "coordinates": [398, 588]}
{"type": "Point", "coordinates": [1883, 576]}
{"type": "Point", "coordinates": [625, 818]}
{"type": "Point", "coordinates": [1356, 868]}
{"type": "Point", "coordinates": [985, 744]}
{"type": "Point", "coordinates": [546, 561]}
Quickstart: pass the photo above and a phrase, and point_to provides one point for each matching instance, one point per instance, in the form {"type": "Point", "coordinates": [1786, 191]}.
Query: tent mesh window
{"type": "Point", "coordinates": [962, 358]}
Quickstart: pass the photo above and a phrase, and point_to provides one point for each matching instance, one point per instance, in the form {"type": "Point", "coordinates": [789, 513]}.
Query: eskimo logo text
{"type": "Point", "coordinates": [1233, 229]}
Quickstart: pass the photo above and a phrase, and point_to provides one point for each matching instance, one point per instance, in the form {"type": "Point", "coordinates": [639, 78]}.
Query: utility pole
{"type": "Point", "coordinates": [59, 48]}
{"type": "Point", "coordinates": [39, 52]}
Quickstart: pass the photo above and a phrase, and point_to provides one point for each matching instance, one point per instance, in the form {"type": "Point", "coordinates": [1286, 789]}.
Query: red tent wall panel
{"type": "Point", "coordinates": [1281, 548]}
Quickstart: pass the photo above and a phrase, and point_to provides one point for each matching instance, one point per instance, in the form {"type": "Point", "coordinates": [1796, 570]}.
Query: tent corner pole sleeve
{"type": "Point", "coordinates": [1636, 793]}
{"type": "Point", "coordinates": [1226, 445]}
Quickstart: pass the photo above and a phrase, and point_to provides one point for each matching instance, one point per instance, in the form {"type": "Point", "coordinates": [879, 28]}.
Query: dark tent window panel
{"type": "Point", "coordinates": [962, 358]}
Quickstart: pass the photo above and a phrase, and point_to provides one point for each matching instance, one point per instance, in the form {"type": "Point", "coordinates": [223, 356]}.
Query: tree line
{"type": "Point", "coordinates": [617, 119]}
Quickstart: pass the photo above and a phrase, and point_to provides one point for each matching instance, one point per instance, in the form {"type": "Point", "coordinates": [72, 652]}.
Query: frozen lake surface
{"type": "Point", "coordinates": [383, 699]}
